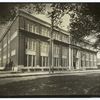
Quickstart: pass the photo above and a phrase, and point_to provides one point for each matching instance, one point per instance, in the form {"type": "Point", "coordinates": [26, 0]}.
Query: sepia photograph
{"type": "Point", "coordinates": [49, 49]}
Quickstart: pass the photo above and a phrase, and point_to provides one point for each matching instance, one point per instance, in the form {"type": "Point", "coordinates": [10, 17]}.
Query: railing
{"type": "Point", "coordinates": [43, 69]}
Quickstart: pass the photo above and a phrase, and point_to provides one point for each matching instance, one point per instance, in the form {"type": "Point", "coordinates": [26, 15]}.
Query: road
{"type": "Point", "coordinates": [55, 85]}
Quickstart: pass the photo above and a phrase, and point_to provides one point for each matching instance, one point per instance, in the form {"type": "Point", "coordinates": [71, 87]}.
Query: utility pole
{"type": "Point", "coordinates": [51, 42]}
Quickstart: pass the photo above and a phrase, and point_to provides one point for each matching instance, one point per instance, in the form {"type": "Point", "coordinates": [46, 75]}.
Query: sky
{"type": "Point", "coordinates": [65, 20]}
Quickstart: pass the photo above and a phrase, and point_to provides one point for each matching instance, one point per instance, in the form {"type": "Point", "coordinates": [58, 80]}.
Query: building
{"type": "Point", "coordinates": [27, 43]}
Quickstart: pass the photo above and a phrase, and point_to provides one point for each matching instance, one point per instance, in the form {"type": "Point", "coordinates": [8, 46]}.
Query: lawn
{"type": "Point", "coordinates": [69, 85]}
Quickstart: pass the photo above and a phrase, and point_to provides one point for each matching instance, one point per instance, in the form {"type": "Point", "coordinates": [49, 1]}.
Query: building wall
{"type": "Point", "coordinates": [33, 31]}
{"type": "Point", "coordinates": [9, 45]}
{"type": "Point", "coordinates": [27, 43]}
{"type": "Point", "coordinates": [84, 56]}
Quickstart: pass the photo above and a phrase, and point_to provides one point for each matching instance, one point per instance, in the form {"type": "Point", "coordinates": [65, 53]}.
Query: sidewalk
{"type": "Point", "coordinates": [9, 74]}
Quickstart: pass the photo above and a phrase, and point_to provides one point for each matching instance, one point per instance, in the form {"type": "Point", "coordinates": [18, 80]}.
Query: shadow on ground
{"type": "Point", "coordinates": [78, 85]}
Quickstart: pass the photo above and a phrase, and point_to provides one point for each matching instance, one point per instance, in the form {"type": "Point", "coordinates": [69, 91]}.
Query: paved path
{"type": "Point", "coordinates": [5, 74]}
{"type": "Point", "coordinates": [16, 77]}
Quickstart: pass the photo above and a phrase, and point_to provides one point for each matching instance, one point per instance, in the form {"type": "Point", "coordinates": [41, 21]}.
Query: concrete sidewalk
{"type": "Point", "coordinates": [8, 74]}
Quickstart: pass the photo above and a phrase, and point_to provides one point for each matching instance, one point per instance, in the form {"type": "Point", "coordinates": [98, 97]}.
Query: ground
{"type": "Point", "coordinates": [67, 85]}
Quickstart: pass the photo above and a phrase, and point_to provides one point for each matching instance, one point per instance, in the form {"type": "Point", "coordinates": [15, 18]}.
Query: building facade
{"type": "Point", "coordinates": [27, 43]}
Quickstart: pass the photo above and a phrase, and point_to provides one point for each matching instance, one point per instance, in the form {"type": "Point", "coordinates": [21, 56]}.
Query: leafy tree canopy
{"type": "Point", "coordinates": [84, 17]}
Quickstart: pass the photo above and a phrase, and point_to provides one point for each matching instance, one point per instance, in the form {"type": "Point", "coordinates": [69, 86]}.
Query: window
{"type": "Point", "coordinates": [13, 52]}
{"type": "Point", "coordinates": [28, 27]}
{"type": "Point", "coordinates": [82, 59]}
{"type": "Point", "coordinates": [64, 62]}
{"type": "Point", "coordinates": [56, 35]}
{"type": "Point", "coordinates": [44, 48]}
{"type": "Point", "coordinates": [30, 60]}
{"type": "Point", "coordinates": [34, 45]}
{"type": "Point", "coordinates": [45, 31]}
{"type": "Point", "coordinates": [87, 59]}
{"type": "Point", "coordinates": [56, 50]}
{"type": "Point", "coordinates": [44, 61]}
{"type": "Point", "coordinates": [65, 51]}
{"type": "Point", "coordinates": [44, 54]}
{"type": "Point", "coordinates": [30, 44]}
{"type": "Point", "coordinates": [34, 60]}
{"type": "Point", "coordinates": [65, 38]}
{"type": "Point", "coordinates": [33, 28]}
{"type": "Point", "coordinates": [56, 61]}
{"type": "Point", "coordinates": [36, 29]}
{"type": "Point", "coordinates": [65, 56]}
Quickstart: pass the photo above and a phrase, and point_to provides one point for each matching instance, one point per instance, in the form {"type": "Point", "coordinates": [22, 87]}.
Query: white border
{"type": "Point", "coordinates": [48, 1]}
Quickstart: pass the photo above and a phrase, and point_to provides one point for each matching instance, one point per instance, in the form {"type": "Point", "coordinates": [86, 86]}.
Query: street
{"type": "Point", "coordinates": [63, 85]}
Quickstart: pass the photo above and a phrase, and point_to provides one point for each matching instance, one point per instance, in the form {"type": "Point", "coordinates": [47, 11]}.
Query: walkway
{"type": "Point", "coordinates": [8, 74]}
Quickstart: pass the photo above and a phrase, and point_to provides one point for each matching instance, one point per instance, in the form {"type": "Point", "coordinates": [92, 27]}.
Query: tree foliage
{"type": "Point", "coordinates": [84, 17]}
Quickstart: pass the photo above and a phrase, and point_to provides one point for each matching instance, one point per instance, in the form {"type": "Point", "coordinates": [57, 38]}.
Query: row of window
{"type": "Point", "coordinates": [84, 55]}
{"type": "Point", "coordinates": [44, 61]}
{"type": "Point", "coordinates": [34, 28]}
{"type": "Point", "coordinates": [88, 56]}
{"type": "Point", "coordinates": [62, 37]}
{"type": "Point", "coordinates": [83, 45]}
{"type": "Point", "coordinates": [31, 45]}
{"type": "Point", "coordinates": [31, 61]}
{"type": "Point", "coordinates": [88, 63]}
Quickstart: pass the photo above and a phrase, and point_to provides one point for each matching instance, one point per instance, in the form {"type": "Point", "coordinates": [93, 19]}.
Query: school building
{"type": "Point", "coordinates": [27, 42]}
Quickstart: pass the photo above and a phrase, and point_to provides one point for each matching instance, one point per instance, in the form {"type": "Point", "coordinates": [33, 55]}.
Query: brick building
{"type": "Point", "coordinates": [27, 43]}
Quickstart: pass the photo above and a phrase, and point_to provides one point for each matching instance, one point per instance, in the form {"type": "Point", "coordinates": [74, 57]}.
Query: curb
{"type": "Point", "coordinates": [11, 75]}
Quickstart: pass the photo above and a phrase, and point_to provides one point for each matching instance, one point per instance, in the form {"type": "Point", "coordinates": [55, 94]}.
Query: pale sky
{"type": "Point", "coordinates": [65, 20]}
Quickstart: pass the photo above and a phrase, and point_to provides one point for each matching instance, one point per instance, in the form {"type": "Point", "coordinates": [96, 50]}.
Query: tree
{"type": "Point", "coordinates": [8, 10]}
{"type": "Point", "coordinates": [85, 18]}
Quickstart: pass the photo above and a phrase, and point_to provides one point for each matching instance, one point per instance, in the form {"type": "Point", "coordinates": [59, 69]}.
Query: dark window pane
{"type": "Point", "coordinates": [30, 60]}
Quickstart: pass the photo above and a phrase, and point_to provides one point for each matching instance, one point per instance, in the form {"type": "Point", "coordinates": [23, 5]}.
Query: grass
{"type": "Point", "coordinates": [81, 85]}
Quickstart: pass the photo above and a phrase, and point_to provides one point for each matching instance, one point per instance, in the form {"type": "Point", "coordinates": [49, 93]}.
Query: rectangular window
{"type": "Point", "coordinates": [56, 61]}
{"type": "Point", "coordinates": [33, 28]}
{"type": "Point", "coordinates": [65, 38]}
{"type": "Point", "coordinates": [30, 60]}
{"type": "Point", "coordinates": [28, 27]}
{"type": "Point", "coordinates": [64, 62]}
{"type": "Point", "coordinates": [57, 35]}
{"type": "Point", "coordinates": [34, 45]}
{"type": "Point", "coordinates": [30, 44]}
{"type": "Point", "coordinates": [36, 29]}
{"type": "Point", "coordinates": [45, 31]}
{"type": "Point", "coordinates": [44, 61]}
{"type": "Point", "coordinates": [56, 50]}
{"type": "Point", "coordinates": [34, 60]}
{"type": "Point", "coordinates": [44, 48]}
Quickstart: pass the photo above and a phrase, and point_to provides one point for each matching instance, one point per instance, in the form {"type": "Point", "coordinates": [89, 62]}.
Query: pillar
{"type": "Point", "coordinates": [38, 52]}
